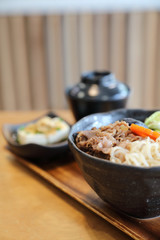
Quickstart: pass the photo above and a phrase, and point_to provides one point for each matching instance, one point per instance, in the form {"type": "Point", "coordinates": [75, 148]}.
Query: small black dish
{"type": "Point", "coordinates": [32, 150]}
{"type": "Point", "coordinates": [98, 91]}
{"type": "Point", "coordinates": [133, 190]}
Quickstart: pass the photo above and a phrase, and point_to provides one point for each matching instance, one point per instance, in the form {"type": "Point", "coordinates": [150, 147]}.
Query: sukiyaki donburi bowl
{"type": "Point", "coordinates": [130, 188]}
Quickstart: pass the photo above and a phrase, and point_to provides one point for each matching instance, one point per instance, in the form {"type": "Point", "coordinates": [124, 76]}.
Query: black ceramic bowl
{"type": "Point", "coordinates": [32, 150]}
{"type": "Point", "coordinates": [132, 190]}
{"type": "Point", "coordinates": [97, 92]}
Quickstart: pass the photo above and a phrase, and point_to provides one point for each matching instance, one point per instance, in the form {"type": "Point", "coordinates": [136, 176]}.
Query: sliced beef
{"type": "Point", "coordinates": [98, 142]}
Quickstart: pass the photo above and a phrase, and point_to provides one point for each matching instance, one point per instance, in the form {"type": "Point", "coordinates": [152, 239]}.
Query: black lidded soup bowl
{"type": "Point", "coordinates": [132, 190]}
{"type": "Point", "coordinates": [98, 91]}
{"type": "Point", "coordinates": [32, 151]}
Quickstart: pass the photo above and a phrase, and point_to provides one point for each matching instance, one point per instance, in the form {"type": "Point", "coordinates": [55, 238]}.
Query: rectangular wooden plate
{"type": "Point", "coordinates": [66, 175]}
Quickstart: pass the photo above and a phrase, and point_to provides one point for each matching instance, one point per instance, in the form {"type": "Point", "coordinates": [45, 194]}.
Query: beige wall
{"type": "Point", "coordinates": [41, 55]}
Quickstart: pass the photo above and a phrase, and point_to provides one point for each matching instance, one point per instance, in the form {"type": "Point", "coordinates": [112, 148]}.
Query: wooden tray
{"type": "Point", "coordinates": [66, 175]}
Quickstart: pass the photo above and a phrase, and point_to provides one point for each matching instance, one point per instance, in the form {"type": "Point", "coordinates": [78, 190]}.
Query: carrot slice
{"type": "Point", "coordinates": [144, 132]}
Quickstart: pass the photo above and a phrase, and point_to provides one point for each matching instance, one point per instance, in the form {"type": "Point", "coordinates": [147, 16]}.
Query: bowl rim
{"type": "Point", "coordinates": [16, 125]}
{"type": "Point", "coordinates": [101, 160]}
{"type": "Point", "coordinates": [68, 89]}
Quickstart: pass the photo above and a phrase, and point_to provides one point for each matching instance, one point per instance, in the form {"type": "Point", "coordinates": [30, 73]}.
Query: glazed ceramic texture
{"type": "Point", "coordinates": [97, 92]}
{"type": "Point", "coordinates": [132, 190]}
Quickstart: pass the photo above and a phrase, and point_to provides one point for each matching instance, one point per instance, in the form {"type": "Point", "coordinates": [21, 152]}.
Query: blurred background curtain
{"type": "Point", "coordinates": [41, 55]}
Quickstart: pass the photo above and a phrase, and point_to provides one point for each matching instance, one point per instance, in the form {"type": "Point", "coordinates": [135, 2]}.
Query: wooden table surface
{"type": "Point", "coordinates": [30, 208]}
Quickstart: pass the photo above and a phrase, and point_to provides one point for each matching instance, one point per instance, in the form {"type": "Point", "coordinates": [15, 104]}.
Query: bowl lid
{"type": "Point", "coordinates": [99, 86]}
